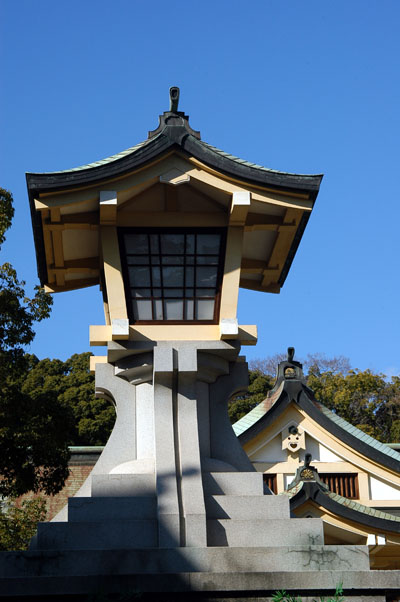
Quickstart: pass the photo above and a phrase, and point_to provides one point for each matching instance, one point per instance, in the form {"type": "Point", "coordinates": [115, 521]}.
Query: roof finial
{"type": "Point", "coordinates": [290, 354]}
{"type": "Point", "coordinates": [173, 99]}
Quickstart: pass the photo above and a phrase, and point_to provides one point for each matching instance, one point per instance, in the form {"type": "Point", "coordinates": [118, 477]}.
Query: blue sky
{"type": "Point", "coordinates": [305, 87]}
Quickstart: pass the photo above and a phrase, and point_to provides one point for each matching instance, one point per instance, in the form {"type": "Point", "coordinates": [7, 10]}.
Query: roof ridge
{"type": "Point", "coordinates": [356, 432]}
{"type": "Point", "coordinates": [104, 161]}
{"type": "Point", "coordinates": [254, 165]}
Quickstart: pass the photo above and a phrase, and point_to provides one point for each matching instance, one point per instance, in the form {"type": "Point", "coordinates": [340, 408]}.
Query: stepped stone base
{"type": "Point", "coordinates": [173, 508]}
{"type": "Point", "coordinates": [211, 573]}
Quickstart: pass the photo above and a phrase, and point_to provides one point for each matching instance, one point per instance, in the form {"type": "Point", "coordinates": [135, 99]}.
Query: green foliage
{"type": "Point", "coordinates": [33, 448]}
{"type": "Point", "coordinates": [369, 401]}
{"type": "Point", "coordinates": [283, 596]}
{"type": "Point", "coordinates": [259, 385]}
{"type": "Point", "coordinates": [18, 524]}
{"type": "Point", "coordinates": [366, 400]}
{"type": "Point", "coordinates": [70, 384]}
{"type": "Point", "coordinates": [6, 212]}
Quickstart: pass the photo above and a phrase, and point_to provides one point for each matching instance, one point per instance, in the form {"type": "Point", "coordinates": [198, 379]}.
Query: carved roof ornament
{"type": "Point", "coordinates": [288, 370]}
{"type": "Point", "coordinates": [307, 473]}
{"type": "Point", "coordinates": [174, 123]}
{"type": "Point", "coordinates": [293, 438]}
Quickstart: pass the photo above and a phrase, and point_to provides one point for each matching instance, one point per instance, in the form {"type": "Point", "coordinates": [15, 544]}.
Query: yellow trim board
{"type": "Point", "coordinates": [100, 335]}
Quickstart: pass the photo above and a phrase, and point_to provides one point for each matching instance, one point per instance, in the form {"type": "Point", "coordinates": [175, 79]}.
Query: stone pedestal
{"type": "Point", "coordinates": [174, 504]}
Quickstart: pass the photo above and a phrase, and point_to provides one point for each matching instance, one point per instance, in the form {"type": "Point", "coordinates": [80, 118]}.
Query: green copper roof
{"type": "Point", "coordinates": [255, 414]}
{"type": "Point", "coordinates": [262, 409]}
{"type": "Point", "coordinates": [213, 149]}
{"type": "Point", "coordinates": [110, 159]}
{"type": "Point", "coordinates": [354, 505]}
{"type": "Point", "coordinates": [249, 164]}
{"type": "Point", "coordinates": [358, 433]}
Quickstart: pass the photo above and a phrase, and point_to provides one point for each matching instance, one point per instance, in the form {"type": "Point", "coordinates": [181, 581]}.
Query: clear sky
{"type": "Point", "coordinates": [298, 86]}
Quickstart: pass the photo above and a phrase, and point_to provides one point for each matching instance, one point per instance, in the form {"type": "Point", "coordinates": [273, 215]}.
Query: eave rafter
{"type": "Point", "coordinates": [53, 224]}
{"type": "Point", "coordinates": [270, 269]}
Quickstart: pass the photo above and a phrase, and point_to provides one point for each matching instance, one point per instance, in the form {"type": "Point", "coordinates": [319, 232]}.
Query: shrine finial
{"type": "Point", "coordinates": [173, 99]}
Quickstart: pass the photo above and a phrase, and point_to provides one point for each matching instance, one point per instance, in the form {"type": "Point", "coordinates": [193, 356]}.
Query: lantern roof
{"type": "Point", "coordinates": [173, 131]}
{"type": "Point", "coordinates": [274, 221]}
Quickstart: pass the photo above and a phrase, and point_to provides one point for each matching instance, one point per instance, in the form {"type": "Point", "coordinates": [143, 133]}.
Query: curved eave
{"type": "Point", "coordinates": [349, 509]}
{"type": "Point", "coordinates": [42, 182]}
{"type": "Point", "coordinates": [299, 393]}
{"type": "Point", "coordinates": [171, 138]}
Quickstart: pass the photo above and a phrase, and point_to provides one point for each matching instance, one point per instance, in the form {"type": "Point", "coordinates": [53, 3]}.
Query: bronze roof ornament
{"type": "Point", "coordinates": [174, 99]}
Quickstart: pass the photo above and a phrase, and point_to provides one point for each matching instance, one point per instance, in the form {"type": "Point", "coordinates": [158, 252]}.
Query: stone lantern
{"type": "Point", "coordinates": [170, 229]}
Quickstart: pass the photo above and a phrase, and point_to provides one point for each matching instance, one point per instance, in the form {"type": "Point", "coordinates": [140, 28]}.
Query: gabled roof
{"type": "Point", "coordinates": [302, 489]}
{"type": "Point", "coordinates": [174, 132]}
{"type": "Point", "coordinates": [288, 390]}
{"type": "Point", "coordinates": [273, 225]}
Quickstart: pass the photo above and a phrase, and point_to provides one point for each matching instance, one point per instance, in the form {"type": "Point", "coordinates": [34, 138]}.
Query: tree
{"type": "Point", "coordinates": [69, 383]}
{"type": "Point", "coordinates": [368, 401]}
{"type": "Point", "coordinates": [33, 447]}
{"type": "Point", "coordinates": [259, 385]}
{"type": "Point", "coordinates": [18, 524]}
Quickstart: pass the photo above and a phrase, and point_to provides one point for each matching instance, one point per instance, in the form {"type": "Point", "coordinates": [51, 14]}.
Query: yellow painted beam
{"type": "Point", "coordinates": [58, 249]}
{"type": "Point", "coordinates": [230, 283]}
{"type": "Point", "coordinates": [96, 359]}
{"type": "Point", "coordinates": [101, 335]}
{"type": "Point", "coordinates": [171, 219]}
{"type": "Point", "coordinates": [113, 273]}
{"type": "Point", "coordinates": [240, 206]}
{"type": "Point", "coordinates": [108, 207]}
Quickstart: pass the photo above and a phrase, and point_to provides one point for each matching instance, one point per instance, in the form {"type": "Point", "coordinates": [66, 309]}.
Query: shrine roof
{"type": "Point", "coordinates": [311, 488]}
{"type": "Point", "coordinates": [174, 132]}
{"type": "Point", "coordinates": [295, 390]}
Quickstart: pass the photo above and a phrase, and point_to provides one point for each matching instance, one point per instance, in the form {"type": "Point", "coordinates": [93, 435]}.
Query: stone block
{"type": "Point", "coordinates": [106, 535]}
{"type": "Point", "coordinates": [277, 532]}
{"type": "Point", "coordinates": [245, 507]}
{"type": "Point", "coordinates": [94, 509]}
{"type": "Point", "coordinates": [233, 483]}
{"type": "Point", "coordinates": [123, 485]}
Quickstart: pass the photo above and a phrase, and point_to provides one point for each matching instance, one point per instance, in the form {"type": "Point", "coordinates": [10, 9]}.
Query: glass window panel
{"type": "Point", "coordinates": [155, 260]}
{"type": "Point", "coordinates": [138, 259]}
{"type": "Point", "coordinates": [189, 303]}
{"type": "Point", "coordinates": [208, 259]}
{"type": "Point", "coordinates": [154, 246]}
{"type": "Point", "coordinates": [173, 292]}
{"type": "Point", "coordinates": [142, 309]}
{"type": "Point", "coordinates": [172, 276]}
{"type": "Point", "coordinates": [172, 243]}
{"type": "Point", "coordinates": [205, 292]}
{"type": "Point", "coordinates": [141, 292]}
{"type": "Point", "coordinates": [189, 277]}
{"type": "Point", "coordinates": [190, 259]}
{"type": "Point", "coordinates": [139, 276]}
{"type": "Point", "coordinates": [173, 309]}
{"type": "Point", "coordinates": [189, 292]}
{"type": "Point", "coordinates": [174, 260]}
{"type": "Point", "coordinates": [156, 276]}
{"type": "Point", "coordinates": [190, 243]}
{"type": "Point", "coordinates": [208, 244]}
{"type": "Point", "coordinates": [206, 276]}
{"type": "Point", "coordinates": [136, 243]}
{"type": "Point", "coordinates": [158, 309]}
{"type": "Point", "coordinates": [157, 292]}
{"type": "Point", "coordinates": [204, 309]}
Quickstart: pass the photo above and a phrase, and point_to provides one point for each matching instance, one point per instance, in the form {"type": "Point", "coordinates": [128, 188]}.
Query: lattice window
{"type": "Point", "coordinates": [172, 275]}
{"type": "Point", "coordinates": [270, 481]}
{"type": "Point", "coordinates": [345, 484]}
